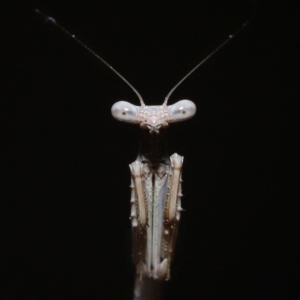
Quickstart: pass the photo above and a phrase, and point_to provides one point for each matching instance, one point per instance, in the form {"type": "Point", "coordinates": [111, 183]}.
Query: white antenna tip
{"type": "Point", "coordinates": [73, 36]}
{"type": "Point", "coordinates": [50, 19]}
{"type": "Point", "coordinates": [231, 36]}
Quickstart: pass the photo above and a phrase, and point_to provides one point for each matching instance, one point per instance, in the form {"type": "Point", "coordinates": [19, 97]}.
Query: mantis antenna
{"type": "Point", "coordinates": [53, 21]}
{"type": "Point", "coordinates": [230, 37]}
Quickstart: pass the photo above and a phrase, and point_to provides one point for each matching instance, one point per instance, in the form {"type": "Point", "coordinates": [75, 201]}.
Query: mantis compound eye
{"type": "Point", "coordinates": [181, 111]}
{"type": "Point", "coordinates": [125, 112]}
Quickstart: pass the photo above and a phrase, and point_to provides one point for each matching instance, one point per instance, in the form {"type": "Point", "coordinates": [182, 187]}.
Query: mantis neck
{"type": "Point", "coordinates": [153, 148]}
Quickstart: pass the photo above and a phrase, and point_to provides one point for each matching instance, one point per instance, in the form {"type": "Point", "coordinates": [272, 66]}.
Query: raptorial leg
{"type": "Point", "coordinates": [141, 185]}
{"type": "Point", "coordinates": [172, 211]}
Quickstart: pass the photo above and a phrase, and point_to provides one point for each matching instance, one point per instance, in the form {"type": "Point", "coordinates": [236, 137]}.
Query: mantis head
{"type": "Point", "coordinates": [153, 118]}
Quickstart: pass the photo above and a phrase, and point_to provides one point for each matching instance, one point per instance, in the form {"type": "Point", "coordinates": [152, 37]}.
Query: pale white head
{"type": "Point", "coordinates": [153, 117]}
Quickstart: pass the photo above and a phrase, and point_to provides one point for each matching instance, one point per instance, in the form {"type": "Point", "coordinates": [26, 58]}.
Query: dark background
{"type": "Point", "coordinates": [66, 232]}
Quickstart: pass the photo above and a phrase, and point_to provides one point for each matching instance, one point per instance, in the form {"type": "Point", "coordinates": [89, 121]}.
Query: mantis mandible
{"type": "Point", "coordinates": [155, 179]}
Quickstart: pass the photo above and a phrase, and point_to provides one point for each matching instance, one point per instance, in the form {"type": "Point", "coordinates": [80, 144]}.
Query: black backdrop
{"type": "Point", "coordinates": [66, 232]}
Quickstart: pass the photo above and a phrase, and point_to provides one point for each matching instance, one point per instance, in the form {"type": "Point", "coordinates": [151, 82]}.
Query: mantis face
{"type": "Point", "coordinates": [153, 118]}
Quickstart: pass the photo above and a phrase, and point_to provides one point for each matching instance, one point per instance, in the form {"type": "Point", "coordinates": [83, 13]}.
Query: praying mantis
{"type": "Point", "coordinates": [155, 180]}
